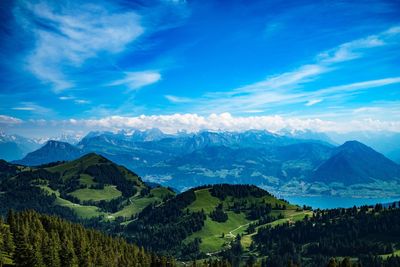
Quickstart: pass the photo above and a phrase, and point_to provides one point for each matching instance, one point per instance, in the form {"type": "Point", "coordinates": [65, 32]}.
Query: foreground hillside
{"type": "Point", "coordinates": [32, 239]}
{"type": "Point", "coordinates": [367, 236]}
{"type": "Point", "coordinates": [99, 193]}
{"type": "Point", "coordinates": [235, 224]}
{"type": "Point", "coordinates": [204, 221]}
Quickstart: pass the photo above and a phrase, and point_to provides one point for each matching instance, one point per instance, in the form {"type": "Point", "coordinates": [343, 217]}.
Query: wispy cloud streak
{"type": "Point", "coordinates": [137, 80]}
{"type": "Point", "coordinates": [69, 33]}
{"type": "Point", "coordinates": [288, 88]}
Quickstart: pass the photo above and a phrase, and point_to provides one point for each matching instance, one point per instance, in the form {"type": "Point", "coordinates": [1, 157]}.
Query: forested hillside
{"type": "Point", "coordinates": [205, 220]}
{"type": "Point", "coordinates": [361, 234]}
{"type": "Point", "coordinates": [89, 188]}
{"type": "Point", "coordinates": [31, 239]}
{"type": "Point", "coordinates": [229, 224]}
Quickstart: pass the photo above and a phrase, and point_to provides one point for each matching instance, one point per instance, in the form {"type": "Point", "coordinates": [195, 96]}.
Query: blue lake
{"type": "Point", "coordinates": [328, 202]}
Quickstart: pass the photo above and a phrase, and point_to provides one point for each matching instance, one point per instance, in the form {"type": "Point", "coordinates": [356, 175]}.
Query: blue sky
{"type": "Point", "coordinates": [233, 65]}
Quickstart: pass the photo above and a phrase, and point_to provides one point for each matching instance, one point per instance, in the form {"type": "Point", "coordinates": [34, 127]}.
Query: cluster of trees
{"type": "Point", "coordinates": [218, 214]}
{"type": "Point", "coordinates": [22, 196]}
{"type": "Point", "coordinates": [7, 170]}
{"type": "Point", "coordinates": [110, 174]}
{"type": "Point", "coordinates": [257, 210]}
{"type": "Point", "coordinates": [25, 178]}
{"type": "Point", "coordinates": [65, 185]}
{"type": "Point", "coordinates": [211, 263]}
{"type": "Point", "coordinates": [318, 261]}
{"type": "Point", "coordinates": [162, 228]}
{"type": "Point", "coordinates": [31, 239]}
{"type": "Point", "coordinates": [222, 191]}
{"type": "Point", "coordinates": [337, 232]}
{"type": "Point", "coordinates": [234, 253]}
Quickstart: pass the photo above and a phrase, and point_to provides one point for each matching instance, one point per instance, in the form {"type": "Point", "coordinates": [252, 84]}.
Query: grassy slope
{"type": "Point", "coordinates": [211, 234]}
{"type": "Point", "coordinates": [82, 211]}
{"type": "Point", "coordinates": [395, 253]}
{"type": "Point", "coordinates": [139, 203]}
{"type": "Point", "coordinates": [85, 211]}
{"type": "Point", "coordinates": [108, 193]}
{"type": "Point", "coordinates": [131, 207]}
{"type": "Point", "coordinates": [291, 216]}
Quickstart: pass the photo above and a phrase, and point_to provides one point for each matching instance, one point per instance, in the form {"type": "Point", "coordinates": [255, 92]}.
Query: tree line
{"type": "Point", "coordinates": [356, 232]}
{"type": "Point", "coordinates": [34, 240]}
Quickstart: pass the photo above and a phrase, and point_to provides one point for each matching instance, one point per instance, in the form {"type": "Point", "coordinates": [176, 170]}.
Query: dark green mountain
{"type": "Point", "coordinates": [356, 163]}
{"type": "Point", "coordinates": [88, 187]}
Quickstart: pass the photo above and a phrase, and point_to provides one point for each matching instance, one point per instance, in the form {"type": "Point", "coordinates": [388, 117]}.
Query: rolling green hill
{"type": "Point", "coordinates": [216, 235]}
{"type": "Point", "coordinates": [86, 188]}
{"type": "Point", "coordinates": [196, 223]}
{"type": "Point", "coordinates": [205, 220]}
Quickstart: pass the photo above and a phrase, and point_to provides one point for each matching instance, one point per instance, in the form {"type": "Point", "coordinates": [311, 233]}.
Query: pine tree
{"type": "Point", "coordinates": [332, 262]}
{"type": "Point", "coordinates": [1, 244]}
{"type": "Point", "coordinates": [51, 248]}
{"type": "Point", "coordinates": [67, 255]}
{"type": "Point", "coordinates": [24, 255]}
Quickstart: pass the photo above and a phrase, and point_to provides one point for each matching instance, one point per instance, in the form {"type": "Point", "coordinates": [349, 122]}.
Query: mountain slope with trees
{"type": "Point", "coordinates": [31, 239]}
{"type": "Point", "coordinates": [361, 234]}
{"type": "Point", "coordinates": [206, 219]}
{"type": "Point", "coordinates": [86, 188]}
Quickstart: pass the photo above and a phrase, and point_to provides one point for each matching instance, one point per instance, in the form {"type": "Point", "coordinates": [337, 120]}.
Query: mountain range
{"type": "Point", "coordinates": [283, 164]}
{"type": "Point", "coordinates": [14, 147]}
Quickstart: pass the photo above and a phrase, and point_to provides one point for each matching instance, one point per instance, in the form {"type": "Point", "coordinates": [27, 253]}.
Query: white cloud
{"type": "Point", "coordinates": [215, 122]}
{"type": "Point", "coordinates": [81, 101]}
{"type": "Point", "coordinates": [351, 50]}
{"type": "Point", "coordinates": [227, 122]}
{"type": "Point", "coordinates": [75, 32]}
{"type": "Point", "coordinates": [24, 108]}
{"type": "Point", "coordinates": [34, 108]}
{"type": "Point", "coordinates": [313, 102]}
{"type": "Point", "coordinates": [366, 110]}
{"type": "Point", "coordinates": [137, 80]}
{"type": "Point", "coordinates": [355, 49]}
{"type": "Point", "coordinates": [8, 120]}
{"type": "Point", "coordinates": [177, 99]}
{"type": "Point", "coordinates": [358, 86]}
{"type": "Point", "coordinates": [66, 98]}
{"type": "Point", "coordinates": [254, 111]}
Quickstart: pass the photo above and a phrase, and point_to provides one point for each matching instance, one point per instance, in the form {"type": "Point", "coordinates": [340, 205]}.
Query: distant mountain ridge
{"type": "Point", "coordinates": [255, 157]}
{"type": "Point", "coordinates": [353, 163]}
{"type": "Point", "coordinates": [52, 151]}
{"type": "Point", "coordinates": [14, 147]}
